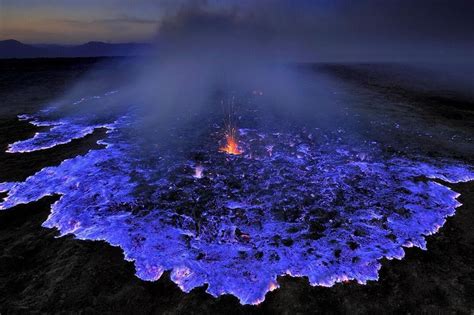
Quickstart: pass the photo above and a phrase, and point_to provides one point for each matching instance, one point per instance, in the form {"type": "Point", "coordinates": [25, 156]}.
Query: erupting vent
{"type": "Point", "coordinates": [231, 146]}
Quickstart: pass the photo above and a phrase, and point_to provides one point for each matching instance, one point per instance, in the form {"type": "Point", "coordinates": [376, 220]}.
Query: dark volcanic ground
{"type": "Point", "coordinates": [41, 273]}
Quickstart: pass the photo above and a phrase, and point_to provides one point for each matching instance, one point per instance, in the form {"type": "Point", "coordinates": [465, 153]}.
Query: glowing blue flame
{"type": "Point", "coordinates": [326, 211]}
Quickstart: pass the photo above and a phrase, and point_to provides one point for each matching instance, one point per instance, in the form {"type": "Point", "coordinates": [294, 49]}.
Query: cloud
{"type": "Point", "coordinates": [108, 21]}
{"type": "Point", "coordinates": [312, 29]}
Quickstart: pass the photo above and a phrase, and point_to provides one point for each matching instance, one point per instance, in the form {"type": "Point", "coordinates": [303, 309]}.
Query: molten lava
{"type": "Point", "coordinates": [232, 146]}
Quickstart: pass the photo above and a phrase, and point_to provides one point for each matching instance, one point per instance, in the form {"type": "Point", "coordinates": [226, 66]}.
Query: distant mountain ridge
{"type": "Point", "coordinates": [14, 49]}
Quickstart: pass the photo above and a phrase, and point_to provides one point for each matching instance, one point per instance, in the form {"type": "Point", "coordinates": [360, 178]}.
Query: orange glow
{"type": "Point", "coordinates": [232, 144]}
{"type": "Point", "coordinates": [273, 286]}
{"type": "Point", "coordinates": [231, 147]}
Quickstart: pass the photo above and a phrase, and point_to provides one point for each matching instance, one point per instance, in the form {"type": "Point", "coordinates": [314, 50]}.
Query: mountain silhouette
{"type": "Point", "coordinates": [14, 49]}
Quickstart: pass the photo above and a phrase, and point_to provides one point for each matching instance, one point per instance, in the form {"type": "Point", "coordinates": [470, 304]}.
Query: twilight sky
{"type": "Point", "coordinates": [353, 26]}
{"type": "Point", "coordinates": [77, 21]}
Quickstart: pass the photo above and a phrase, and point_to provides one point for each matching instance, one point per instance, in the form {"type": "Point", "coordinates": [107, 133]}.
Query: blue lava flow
{"type": "Point", "coordinates": [302, 204]}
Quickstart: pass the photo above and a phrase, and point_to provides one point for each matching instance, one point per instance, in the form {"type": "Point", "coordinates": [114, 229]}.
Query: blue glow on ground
{"type": "Point", "coordinates": [302, 204]}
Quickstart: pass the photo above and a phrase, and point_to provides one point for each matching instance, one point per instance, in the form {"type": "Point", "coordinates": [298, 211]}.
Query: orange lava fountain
{"type": "Point", "coordinates": [232, 146]}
